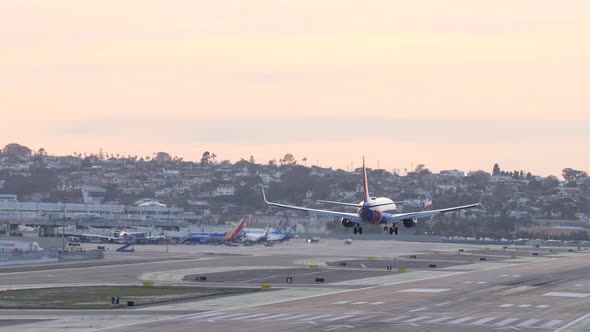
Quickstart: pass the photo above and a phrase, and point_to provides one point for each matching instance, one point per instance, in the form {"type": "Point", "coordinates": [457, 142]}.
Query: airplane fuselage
{"type": "Point", "coordinates": [375, 211]}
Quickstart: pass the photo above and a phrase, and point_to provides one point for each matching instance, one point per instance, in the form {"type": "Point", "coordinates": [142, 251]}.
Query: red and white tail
{"type": "Point", "coordinates": [232, 234]}
{"type": "Point", "coordinates": [365, 182]}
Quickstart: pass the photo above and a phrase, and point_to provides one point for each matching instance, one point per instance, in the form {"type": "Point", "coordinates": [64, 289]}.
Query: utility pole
{"type": "Point", "coordinates": [63, 230]}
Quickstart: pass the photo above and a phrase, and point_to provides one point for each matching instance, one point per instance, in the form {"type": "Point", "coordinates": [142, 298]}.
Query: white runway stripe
{"type": "Point", "coordinates": [363, 318]}
{"type": "Point", "coordinates": [389, 320]}
{"type": "Point", "coordinates": [377, 303]}
{"type": "Point", "coordinates": [506, 321]}
{"type": "Point", "coordinates": [439, 320]}
{"type": "Point", "coordinates": [565, 294]}
{"type": "Point", "coordinates": [543, 306]}
{"type": "Point", "coordinates": [442, 304]}
{"type": "Point", "coordinates": [424, 290]}
{"type": "Point", "coordinates": [550, 324]}
{"type": "Point", "coordinates": [248, 316]}
{"type": "Point", "coordinates": [208, 314]}
{"type": "Point", "coordinates": [272, 316]}
{"type": "Point", "coordinates": [483, 321]}
{"type": "Point", "coordinates": [528, 323]}
{"type": "Point", "coordinates": [293, 317]}
{"type": "Point", "coordinates": [317, 317]}
{"type": "Point", "coordinates": [506, 305]}
{"type": "Point", "coordinates": [230, 315]}
{"type": "Point", "coordinates": [461, 320]}
{"type": "Point", "coordinates": [417, 319]}
{"type": "Point", "coordinates": [419, 309]}
{"type": "Point", "coordinates": [361, 302]}
{"type": "Point", "coordinates": [524, 306]}
{"type": "Point", "coordinates": [339, 318]}
{"type": "Point", "coordinates": [342, 302]}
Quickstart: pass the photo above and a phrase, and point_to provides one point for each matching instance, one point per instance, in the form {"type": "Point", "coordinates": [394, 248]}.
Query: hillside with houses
{"type": "Point", "coordinates": [211, 190]}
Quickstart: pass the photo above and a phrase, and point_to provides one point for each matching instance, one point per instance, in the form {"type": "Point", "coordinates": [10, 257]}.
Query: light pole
{"type": "Point", "coordinates": [63, 230]}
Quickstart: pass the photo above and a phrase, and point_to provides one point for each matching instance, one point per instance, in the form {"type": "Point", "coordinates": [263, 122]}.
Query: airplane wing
{"type": "Point", "coordinates": [423, 214]}
{"type": "Point", "coordinates": [322, 213]}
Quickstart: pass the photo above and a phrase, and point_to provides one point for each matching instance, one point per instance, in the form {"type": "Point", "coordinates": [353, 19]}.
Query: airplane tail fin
{"type": "Point", "coordinates": [365, 183]}
{"type": "Point", "coordinates": [266, 230]}
{"type": "Point", "coordinates": [231, 235]}
{"type": "Point", "coordinates": [282, 225]}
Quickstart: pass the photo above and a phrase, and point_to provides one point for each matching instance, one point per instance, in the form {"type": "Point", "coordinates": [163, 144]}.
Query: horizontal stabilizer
{"type": "Point", "coordinates": [341, 203]}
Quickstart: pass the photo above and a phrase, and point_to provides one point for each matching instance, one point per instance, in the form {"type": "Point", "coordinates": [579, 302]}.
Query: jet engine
{"type": "Point", "coordinates": [409, 223]}
{"type": "Point", "coordinates": [347, 223]}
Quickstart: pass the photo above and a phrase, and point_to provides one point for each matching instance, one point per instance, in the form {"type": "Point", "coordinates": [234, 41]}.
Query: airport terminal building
{"type": "Point", "coordinates": [12, 210]}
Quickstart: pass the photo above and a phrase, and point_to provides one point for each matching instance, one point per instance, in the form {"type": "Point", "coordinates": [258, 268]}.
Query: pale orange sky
{"type": "Point", "coordinates": [450, 84]}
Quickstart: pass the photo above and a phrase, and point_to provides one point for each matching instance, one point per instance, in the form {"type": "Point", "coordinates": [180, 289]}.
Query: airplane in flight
{"type": "Point", "coordinates": [372, 211]}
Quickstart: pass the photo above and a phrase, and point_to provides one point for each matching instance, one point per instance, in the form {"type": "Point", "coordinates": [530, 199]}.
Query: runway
{"type": "Point", "coordinates": [370, 285]}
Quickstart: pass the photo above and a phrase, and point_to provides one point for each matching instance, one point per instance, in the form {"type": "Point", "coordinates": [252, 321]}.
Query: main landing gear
{"type": "Point", "coordinates": [357, 230]}
{"type": "Point", "coordinates": [391, 230]}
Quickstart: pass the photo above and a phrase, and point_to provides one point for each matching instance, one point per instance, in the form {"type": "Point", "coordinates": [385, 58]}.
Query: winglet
{"type": "Point", "coordinates": [263, 194]}
{"type": "Point", "coordinates": [365, 182]}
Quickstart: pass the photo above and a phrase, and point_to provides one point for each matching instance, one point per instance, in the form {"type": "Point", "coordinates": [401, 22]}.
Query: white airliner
{"type": "Point", "coordinates": [373, 211]}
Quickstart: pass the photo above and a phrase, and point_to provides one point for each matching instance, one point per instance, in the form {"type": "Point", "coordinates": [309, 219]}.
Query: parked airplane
{"type": "Point", "coordinates": [279, 237]}
{"type": "Point", "coordinates": [255, 235]}
{"type": "Point", "coordinates": [206, 238]}
{"type": "Point", "coordinates": [123, 236]}
{"type": "Point", "coordinates": [372, 210]}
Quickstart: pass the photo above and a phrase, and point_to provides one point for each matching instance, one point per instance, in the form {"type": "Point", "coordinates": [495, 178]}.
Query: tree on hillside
{"type": "Point", "coordinates": [206, 159]}
{"type": "Point", "coordinates": [496, 170]}
{"type": "Point", "coordinates": [573, 175]}
{"type": "Point", "coordinates": [288, 160]}
{"type": "Point", "coordinates": [16, 150]}
{"type": "Point", "coordinates": [163, 156]}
